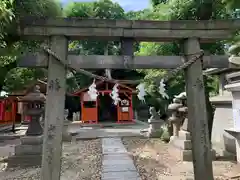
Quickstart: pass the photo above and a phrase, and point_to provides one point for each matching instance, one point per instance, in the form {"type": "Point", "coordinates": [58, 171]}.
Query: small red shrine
{"type": "Point", "coordinates": [11, 107]}
{"type": "Point", "coordinates": [8, 109]}
{"type": "Point", "coordinates": [103, 110]}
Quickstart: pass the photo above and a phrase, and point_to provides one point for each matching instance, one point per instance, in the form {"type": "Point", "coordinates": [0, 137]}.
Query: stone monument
{"type": "Point", "coordinates": [30, 150]}
{"type": "Point", "coordinates": [155, 123]}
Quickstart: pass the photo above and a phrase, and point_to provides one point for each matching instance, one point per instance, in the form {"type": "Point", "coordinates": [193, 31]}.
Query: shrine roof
{"type": "Point", "coordinates": [217, 71]}
{"type": "Point", "coordinates": [124, 85]}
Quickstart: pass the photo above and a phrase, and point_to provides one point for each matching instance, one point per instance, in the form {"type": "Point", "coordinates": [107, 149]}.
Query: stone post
{"type": "Point", "coordinates": [234, 87]}
{"type": "Point", "coordinates": [30, 150]}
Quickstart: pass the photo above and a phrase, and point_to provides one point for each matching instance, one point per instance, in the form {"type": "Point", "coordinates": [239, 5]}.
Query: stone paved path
{"type": "Point", "coordinates": [116, 163]}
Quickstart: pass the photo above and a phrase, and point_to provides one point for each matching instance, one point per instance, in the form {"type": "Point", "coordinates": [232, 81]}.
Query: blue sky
{"type": "Point", "coordinates": [127, 5]}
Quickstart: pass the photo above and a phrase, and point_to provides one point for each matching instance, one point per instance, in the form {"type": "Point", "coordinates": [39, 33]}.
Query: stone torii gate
{"type": "Point", "coordinates": [58, 31]}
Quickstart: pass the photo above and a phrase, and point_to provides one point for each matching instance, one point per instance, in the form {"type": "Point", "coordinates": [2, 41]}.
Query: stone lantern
{"type": "Point", "coordinates": [184, 114]}
{"type": "Point", "coordinates": [29, 152]}
{"type": "Point", "coordinates": [174, 118]}
{"type": "Point", "coordinates": [183, 111]}
{"type": "Point", "coordinates": [34, 107]}
{"type": "Point", "coordinates": [181, 138]}
{"type": "Point", "coordinates": [182, 141]}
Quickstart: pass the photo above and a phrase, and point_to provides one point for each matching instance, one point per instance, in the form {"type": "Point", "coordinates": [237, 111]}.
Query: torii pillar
{"type": "Point", "coordinates": [54, 111]}
{"type": "Point", "coordinates": [197, 113]}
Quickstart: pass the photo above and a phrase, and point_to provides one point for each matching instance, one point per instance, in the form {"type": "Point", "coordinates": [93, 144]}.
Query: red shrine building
{"type": "Point", "coordinates": [103, 109]}
{"type": "Point", "coordinates": [11, 111]}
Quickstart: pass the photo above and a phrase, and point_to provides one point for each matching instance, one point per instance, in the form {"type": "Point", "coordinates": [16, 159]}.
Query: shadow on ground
{"type": "Point", "coordinates": [156, 160]}
{"type": "Point", "coordinates": [148, 162]}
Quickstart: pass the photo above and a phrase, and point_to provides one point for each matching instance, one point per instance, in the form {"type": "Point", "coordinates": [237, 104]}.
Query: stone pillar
{"type": "Point", "coordinates": [54, 110]}
{"type": "Point", "coordinates": [29, 152]}
{"type": "Point", "coordinates": [234, 87]}
{"type": "Point", "coordinates": [197, 112]}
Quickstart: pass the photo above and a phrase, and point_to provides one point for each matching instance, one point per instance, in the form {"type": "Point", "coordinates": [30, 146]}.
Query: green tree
{"type": "Point", "coordinates": [102, 9]}
{"type": "Point", "coordinates": [6, 16]}
{"type": "Point", "coordinates": [12, 78]}
{"type": "Point", "coordinates": [182, 10]}
{"type": "Point", "coordinates": [234, 7]}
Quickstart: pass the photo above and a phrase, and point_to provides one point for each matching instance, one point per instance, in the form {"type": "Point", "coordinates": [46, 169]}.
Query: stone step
{"type": "Point", "coordinates": [116, 163]}
{"type": "Point", "coordinates": [31, 140]}
{"type": "Point", "coordinates": [113, 146]}
{"type": "Point", "coordinates": [113, 150]}
{"type": "Point", "coordinates": [28, 149]}
{"type": "Point", "coordinates": [182, 144]}
{"type": "Point", "coordinates": [23, 161]}
{"type": "Point", "coordinates": [127, 175]}
{"type": "Point", "coordinates": [184, 135]}
{"type": "Point", "coordinates": [112, 157]}
{"type": "Point", "coordinates": [186, 155]}
{"type": "Point", "coordinates": [124, 166]}
{"type": "Point", "coordinates": [111, 141]}
{"type": "Point", "coordinates": [175, 178]}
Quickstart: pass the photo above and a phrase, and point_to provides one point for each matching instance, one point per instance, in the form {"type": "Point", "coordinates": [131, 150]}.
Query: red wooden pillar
{"type": "Point", "coordinates": [14, 110]}
{"type": "Point", "coordinates": [131, 108]}
{"type": "Point", "coordinates": [118, 113]}
{"type": "Point", "coordinates": [1, 110]}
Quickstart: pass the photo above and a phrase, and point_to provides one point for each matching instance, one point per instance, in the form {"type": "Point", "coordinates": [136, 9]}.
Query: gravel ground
{"type": "Point", "coordinates": [81, 160]}
{"type": "Point", "coordinates": [156, 160]}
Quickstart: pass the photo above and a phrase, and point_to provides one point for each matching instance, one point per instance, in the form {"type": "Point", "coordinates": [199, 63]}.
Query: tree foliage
{"type": "Point", "coordinates": [12, 78]}
{"type": "Point", "coordinates": [102, 9]}
{"type": "Point", "coordinates": [10, 11]}
{"type": "Point", "coordinates": [181, 10]}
